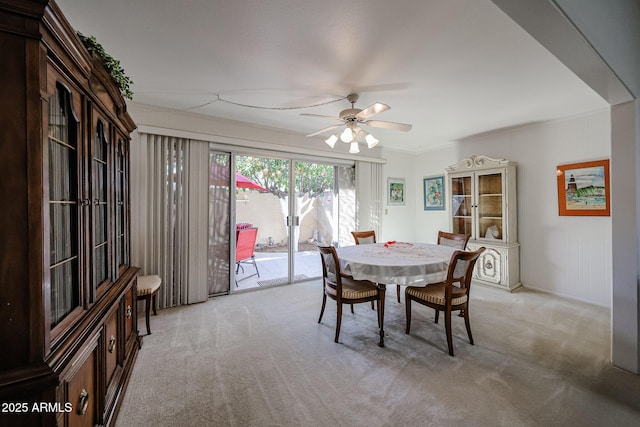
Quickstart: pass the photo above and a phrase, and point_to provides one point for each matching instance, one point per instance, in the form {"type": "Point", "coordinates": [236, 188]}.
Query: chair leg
{"type": "Point", "coordinates": [352, 312]}
{"type": "Point", "coordinates": [407, 306]}
{"type": "Point", "coordinates": [381, 296]}
{"type": "Point", "coordinates": [468, 325]}
{"type": "Point", "coordinates": [324, 302]}
{"type": "Point", "coordinates": [372, 306]}
{"type": "Point", "coordinates": [338, 322]}
{"type": "Point", "coordinates": [253, 258]}
{"type": "Point", "coordinates": [447, 326]}
{"type": "Point", "coordinates": [398, 292]}
{"type": "Point", "coordinates": [437, 316]}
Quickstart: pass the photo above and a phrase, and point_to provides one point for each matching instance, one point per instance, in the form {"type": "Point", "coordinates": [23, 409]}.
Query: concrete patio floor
{"type": "Point", "coordinates": [273, 268]}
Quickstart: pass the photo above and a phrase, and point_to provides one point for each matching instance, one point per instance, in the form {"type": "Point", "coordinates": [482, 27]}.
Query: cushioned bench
{"type": "Point", "coordinates": [148, 287]}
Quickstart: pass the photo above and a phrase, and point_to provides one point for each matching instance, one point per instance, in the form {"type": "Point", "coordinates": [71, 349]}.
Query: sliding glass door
{"type": "Point", "coordinates": [268, 214]}
{"type": "Point", "coordinates": [324, 213]}
{"type": "Point", "coordinates": [262, 204]}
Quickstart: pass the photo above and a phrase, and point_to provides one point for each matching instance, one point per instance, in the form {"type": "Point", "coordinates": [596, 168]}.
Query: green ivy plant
{"type": "Point", "coordinates": [111, 64]}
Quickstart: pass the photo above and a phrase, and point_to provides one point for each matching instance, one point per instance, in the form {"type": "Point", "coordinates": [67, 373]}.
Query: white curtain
{"type": "Point", "coordinates": [369, 194]}
{"type": "Point", "coordinates": [175, 217]}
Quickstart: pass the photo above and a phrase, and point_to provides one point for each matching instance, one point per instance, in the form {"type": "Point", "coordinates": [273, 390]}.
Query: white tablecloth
{"type": "Point", "coordinates": [398, 263]}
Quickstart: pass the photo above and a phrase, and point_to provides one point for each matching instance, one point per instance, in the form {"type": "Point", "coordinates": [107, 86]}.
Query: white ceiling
{"type": "Point", "coordinates": [451, 68]}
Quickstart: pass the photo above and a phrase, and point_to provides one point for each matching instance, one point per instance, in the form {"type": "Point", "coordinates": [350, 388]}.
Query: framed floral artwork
{"type": "Point", "coordinates": [583, 189]}
{"type": "Point", "coordinates": [396, 192]}
{"type": "Point", "coordinates": [433, 191]}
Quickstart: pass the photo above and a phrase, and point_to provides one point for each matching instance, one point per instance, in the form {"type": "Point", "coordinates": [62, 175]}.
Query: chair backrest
{"type": "Point", "coordinates": [245, 242]}
{"type": "Point", "coordinates": [458, 241]}
{"type": "Point", "coordinates": [461, 269]}
{"type": "Point", "coordinates": [330, 267]}
{"type": "Point", "coordinates": [364, 237]}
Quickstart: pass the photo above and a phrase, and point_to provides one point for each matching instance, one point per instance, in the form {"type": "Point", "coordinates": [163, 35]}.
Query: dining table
{"type": "Point", "coordinates": [398, 263]}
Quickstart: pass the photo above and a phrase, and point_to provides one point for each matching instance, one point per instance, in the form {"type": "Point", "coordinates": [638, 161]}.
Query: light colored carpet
{"type": "Point", "coordinates": [261, 359]}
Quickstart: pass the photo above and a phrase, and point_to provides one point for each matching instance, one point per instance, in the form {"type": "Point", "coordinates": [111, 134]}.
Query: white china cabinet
{"type": "Point", "coordinates": [483, 204]}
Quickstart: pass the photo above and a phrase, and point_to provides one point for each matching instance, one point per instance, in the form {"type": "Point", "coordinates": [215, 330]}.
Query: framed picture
{"type": "Point", "coordinates": [433, 190]}
{"type": "Point", "coordinates": [396, 192]}
{"type": "Point", "coordinates": [583, 189]}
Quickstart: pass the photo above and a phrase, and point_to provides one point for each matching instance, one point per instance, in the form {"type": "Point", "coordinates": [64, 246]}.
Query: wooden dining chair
{"type": "Point", "coordinates": [448, 296]}
{"type": "Point", "coordinates": [343, 288]}
{"type": "Point", "coordinates": [364, 237]}
{"type": "Point", "coordinates": [458, 241]}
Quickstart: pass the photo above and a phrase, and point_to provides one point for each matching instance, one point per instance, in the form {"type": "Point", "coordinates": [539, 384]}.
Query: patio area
{"type": "Point", "coordinates": [273, 269]}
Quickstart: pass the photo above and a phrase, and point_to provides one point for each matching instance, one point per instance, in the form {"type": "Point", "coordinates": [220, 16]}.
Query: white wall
{"type": "Point", "coordinates": [612, 29]}
{"type": "Point", "coordinates": [569, 256]}
{"type": "Point", "coordinates": [433, 163]}
{"type": "Point", "coordinates": [264, 211]}
{"type": "Point", "coordinates": [398, 222]}
{"type": "Point", "coordinates": [600, 41]}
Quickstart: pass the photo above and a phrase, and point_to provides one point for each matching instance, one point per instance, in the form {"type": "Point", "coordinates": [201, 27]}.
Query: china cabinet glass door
{"type": "Point", "coordinates": [100, 220]}
{"type": "Point", "coordinates": [63, 207]}
{"type": "Point", "coordinates": [461, 205]}
{"type": "Point", "coordinates": [122, 206]}
{"type": "Point", "coordinates": [490, 205]}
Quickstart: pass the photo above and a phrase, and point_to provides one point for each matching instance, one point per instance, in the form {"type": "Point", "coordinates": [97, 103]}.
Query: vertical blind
{"type": "Point", "coordinates": [369, 193]}
{"type": "Point", "coordinates": [175, 244]}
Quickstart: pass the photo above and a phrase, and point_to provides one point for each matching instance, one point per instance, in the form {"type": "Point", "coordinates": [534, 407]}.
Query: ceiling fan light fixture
{"type": "Point", "coordinates": [352, 118]}
{"type": "Point", "coordinates": [347, 135]}
{"type": "Point", "coordinates": [372, 141]}
{"type": "Point", "coordinates": [331, 141]}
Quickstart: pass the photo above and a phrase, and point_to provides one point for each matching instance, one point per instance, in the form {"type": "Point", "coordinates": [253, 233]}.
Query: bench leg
{"type": "Point", "coordinates": [154, 302]}
{"type": "Point", "coordinates": [147, 309]}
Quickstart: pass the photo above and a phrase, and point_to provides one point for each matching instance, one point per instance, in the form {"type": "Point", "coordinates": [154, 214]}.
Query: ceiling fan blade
{"type": "Point", "coordinates": [388, 125]}
{"type": "Point", "coordinates": [321, 116]}
{"type": "Point", "coordinates": [325, 130]}
{"type": "Point", "coordinates": [372, 110]}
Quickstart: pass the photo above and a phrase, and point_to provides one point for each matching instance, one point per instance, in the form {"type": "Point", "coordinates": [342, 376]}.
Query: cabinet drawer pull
{"type": "Point", "coordinates": [84, 402]}
{"type": "Point", "coordinates": [112, 343]}
{"type": "Point", "coordinates": [129, 312]}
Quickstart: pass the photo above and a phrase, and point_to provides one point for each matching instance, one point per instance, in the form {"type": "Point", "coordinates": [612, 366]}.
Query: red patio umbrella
{"type": "Point", "coordinates": [219, 175]}
{"type": "Point", "coordinates": [244, 182]}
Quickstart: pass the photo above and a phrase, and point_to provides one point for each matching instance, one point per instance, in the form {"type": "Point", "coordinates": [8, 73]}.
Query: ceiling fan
{"type": "Point", "coordinates": [352, 118]}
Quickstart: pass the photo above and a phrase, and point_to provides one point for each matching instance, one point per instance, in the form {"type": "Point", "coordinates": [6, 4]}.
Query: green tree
{"type": "Point", "coordinates": [312, 180]}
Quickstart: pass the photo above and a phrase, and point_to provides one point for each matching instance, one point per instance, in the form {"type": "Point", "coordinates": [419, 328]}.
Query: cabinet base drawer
{"type": "Point", "coordinates": [498, 265]}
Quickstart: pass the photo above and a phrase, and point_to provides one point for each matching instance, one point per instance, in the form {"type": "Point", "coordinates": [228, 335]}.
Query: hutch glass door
{"type": "Point", "coordinates": [461, 204]}
{"type": "Point", "coordinates": [63, 207]}
{"type": "Point", "coordinates": [490, 205]}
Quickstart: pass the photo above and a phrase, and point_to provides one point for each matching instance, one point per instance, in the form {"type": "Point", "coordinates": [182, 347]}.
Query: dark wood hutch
{"type": "Point", "coordinates": [68, 318]}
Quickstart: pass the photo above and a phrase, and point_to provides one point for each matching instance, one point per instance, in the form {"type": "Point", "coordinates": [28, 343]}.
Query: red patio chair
{"type": "Point", "coordinates": [245, 245]}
